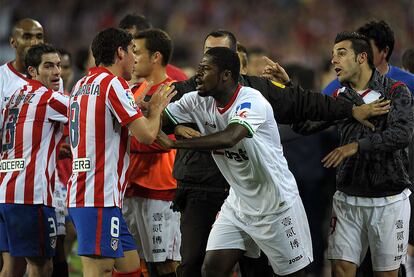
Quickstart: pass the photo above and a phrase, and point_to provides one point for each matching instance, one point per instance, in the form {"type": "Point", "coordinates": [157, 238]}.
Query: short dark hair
{"type": "Point", "coordinates": [135, 20]}
{"type": "Point", "coordinates": [224, 33]}
{"type": "Point", "coordinates": [106, 43]}
{"type": "Point", "coordinates": [381, 33]}
{"type": "Point", "coordinates": [34, 54]}
{"type": "Point", "coordinates": [408, 60]}
{"type": "Point", "coordinates": [157, 40]}
{"type": "Point", "coordinates": [359, 43]}
{"type": "Point", "coordinates": [225, 59]}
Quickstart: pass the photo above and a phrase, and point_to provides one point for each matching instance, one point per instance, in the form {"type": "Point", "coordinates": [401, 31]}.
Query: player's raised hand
{"type": "Point", "coordinates": [363, 112]}
{"type": "Point", "coordinates": [162, 97]}
{"type": "Point", "coordinates": [275, 72]}
{"type": "Point", "coordinates": [139, 99]}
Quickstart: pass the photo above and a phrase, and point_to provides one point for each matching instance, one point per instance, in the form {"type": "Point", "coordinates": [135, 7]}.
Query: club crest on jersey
{"type": "Point", "coordinates": [130, 97]}
{"type": "Point", "coordinates": [241, 109]}
{"type": "Point", "coordinates": [114, 244]}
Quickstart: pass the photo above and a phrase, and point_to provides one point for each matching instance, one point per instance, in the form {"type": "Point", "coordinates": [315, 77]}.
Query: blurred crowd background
{"type": "Point", "coordinates": [290, 31]}
{"type": "Point", "coordinates": [297, 33]}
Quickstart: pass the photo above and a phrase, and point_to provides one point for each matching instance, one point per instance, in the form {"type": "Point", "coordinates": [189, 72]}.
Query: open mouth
{"type": "Point", "coordinates": [338, 71]}
{"type": "Point", "coordinates": [199, 83]}
{"type": "Point", "coordinates": [55, 82]}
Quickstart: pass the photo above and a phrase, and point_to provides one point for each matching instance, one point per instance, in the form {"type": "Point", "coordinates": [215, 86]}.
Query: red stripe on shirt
{"type": "Point", "coordinates": [18, 152]}
{"type": "Point", "coordinates": [58, 106]}
{"type": "Point", "coordinates": [37, 131]}
{"type": "Point", "coordinates": [100, 109]}
{"type": "Point", "coordinates": [81, 180]}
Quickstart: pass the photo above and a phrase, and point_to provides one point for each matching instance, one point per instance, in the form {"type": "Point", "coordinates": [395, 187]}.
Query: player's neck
{"type": "Point", "coordinates": [361, 80]}
{"type": "Point", "coordinates": [157, 76]}
{"type": "Point", "coordinates": [383, 68]}
{"type": "Point", "coordinates": [115, 69]}
{"type": "Point", "coordinates": [225, 96]}
{"type": "Point", "coordinates": [18, 65]}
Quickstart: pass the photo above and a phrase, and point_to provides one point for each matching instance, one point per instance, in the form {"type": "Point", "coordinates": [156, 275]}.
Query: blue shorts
{"type": "Point", "coordinates": [101, 232]}
{"type": "Point", "coordinates": [27, 230]}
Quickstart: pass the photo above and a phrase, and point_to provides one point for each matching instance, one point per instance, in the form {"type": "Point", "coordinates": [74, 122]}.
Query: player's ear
{"type": "Point", "coordinates": [226, 75]}
{"type": "Point", "coordinates": [120, 53]}
{"type": "Point", "coordinates": [157, 56]}
{"type": "Point", "coordinates": [13, 42]}
{"type": "Point", "coordinates": [32, 71]}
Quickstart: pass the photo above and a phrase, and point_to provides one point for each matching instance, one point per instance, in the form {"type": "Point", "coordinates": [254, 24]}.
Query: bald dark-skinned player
{"type": "Point", "coordinates": [25, 33]}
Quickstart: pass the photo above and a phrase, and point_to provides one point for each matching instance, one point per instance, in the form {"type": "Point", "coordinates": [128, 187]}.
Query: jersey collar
{"type": "Point", "coordinates": [233, 98]}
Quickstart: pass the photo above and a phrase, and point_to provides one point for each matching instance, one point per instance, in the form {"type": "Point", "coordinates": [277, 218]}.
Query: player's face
{"type": "Point", "coordinates": [128, 62]}
{"type": "Point", "coordinates": [26, 36]}
{"type": "Point", "coordinates": [48, 72]}
{"type": "Point", "coordinates": [143, 66]}
{"type": "Point", "coordinates": [345, 61]}
{"type": "Point", "coordinates": [207, 77]}
{"type": "Point", "coordinates": [212, 42]}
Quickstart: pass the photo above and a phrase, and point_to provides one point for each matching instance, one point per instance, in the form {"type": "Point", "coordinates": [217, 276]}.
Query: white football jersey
{"type": "Point", "coordinates": [10, 81]}
{"type": "Point", "coordinates": [261, 182]}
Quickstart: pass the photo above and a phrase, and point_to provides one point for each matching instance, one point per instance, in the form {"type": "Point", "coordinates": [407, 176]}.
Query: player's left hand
{"type": "Point", "coordinates": [186, 132]}
{"type": "Point", "coordinates": [334, 158]}
{"type": "Point", "coordinates": [164, 140]}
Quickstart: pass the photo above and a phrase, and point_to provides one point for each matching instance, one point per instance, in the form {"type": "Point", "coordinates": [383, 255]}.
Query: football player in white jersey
{"type": "Point", "coordinates": [264, 210]}
{"type": "Point", "coordinates": [25, 33]}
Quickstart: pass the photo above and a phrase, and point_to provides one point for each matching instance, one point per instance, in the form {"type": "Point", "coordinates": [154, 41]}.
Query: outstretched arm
{"type": "Point", "coordinates": [220, 140]}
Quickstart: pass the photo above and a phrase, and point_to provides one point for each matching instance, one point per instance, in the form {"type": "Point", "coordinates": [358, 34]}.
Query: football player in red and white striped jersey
{"type": "Point", "coordinates": [102, 111]}
{"type": "Point", "coordinates": [32, 120]}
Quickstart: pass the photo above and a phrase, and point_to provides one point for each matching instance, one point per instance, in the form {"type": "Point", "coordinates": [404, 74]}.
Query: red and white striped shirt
{"type": "Point", "coordinates": [101, 105]}
{"type": "Point", "coordinates": [32, 122]}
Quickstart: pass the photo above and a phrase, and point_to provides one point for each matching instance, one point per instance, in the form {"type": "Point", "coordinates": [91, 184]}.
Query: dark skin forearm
{"type": "Point", "coordinates": [220, 140]}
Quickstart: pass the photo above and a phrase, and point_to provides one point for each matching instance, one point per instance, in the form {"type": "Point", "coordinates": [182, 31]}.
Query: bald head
{"type": "Point", "coordinates": [26, 24]}
{"type": "Point", "coordinates": [25, 33]}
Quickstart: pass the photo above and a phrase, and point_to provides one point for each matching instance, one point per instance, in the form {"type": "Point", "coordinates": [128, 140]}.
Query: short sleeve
{"type": "Point", "coordinates": [250, 112]}
{"type": "Point", "coordinates": [58, 104]}
{"type": "Point", "coordinates": [121, 102]}
{"type": "Point", "coordinates": [180, 111]}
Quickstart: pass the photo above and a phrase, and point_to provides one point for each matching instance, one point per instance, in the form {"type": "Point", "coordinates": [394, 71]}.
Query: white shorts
{"type": "Point", "coordinates": [283, 237]}
{"type": "Point", "coordinates": [383, 229]}
{"type": "Point", "coordinates": [155, 227]}
{"type": "Point", "coordinates": [59, 202]}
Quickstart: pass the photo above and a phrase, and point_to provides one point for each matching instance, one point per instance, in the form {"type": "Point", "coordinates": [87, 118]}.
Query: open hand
{"type": "Point", "coordinates": [162, 97]}
{"type": "Point", "coordinates": [335, 157]}
{"type": "Point", "coordinates": [363, 112]}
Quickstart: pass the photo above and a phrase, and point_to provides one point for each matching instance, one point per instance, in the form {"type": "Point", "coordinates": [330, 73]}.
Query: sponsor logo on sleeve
{"type": "Point", "coordinates": [242, 109]}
